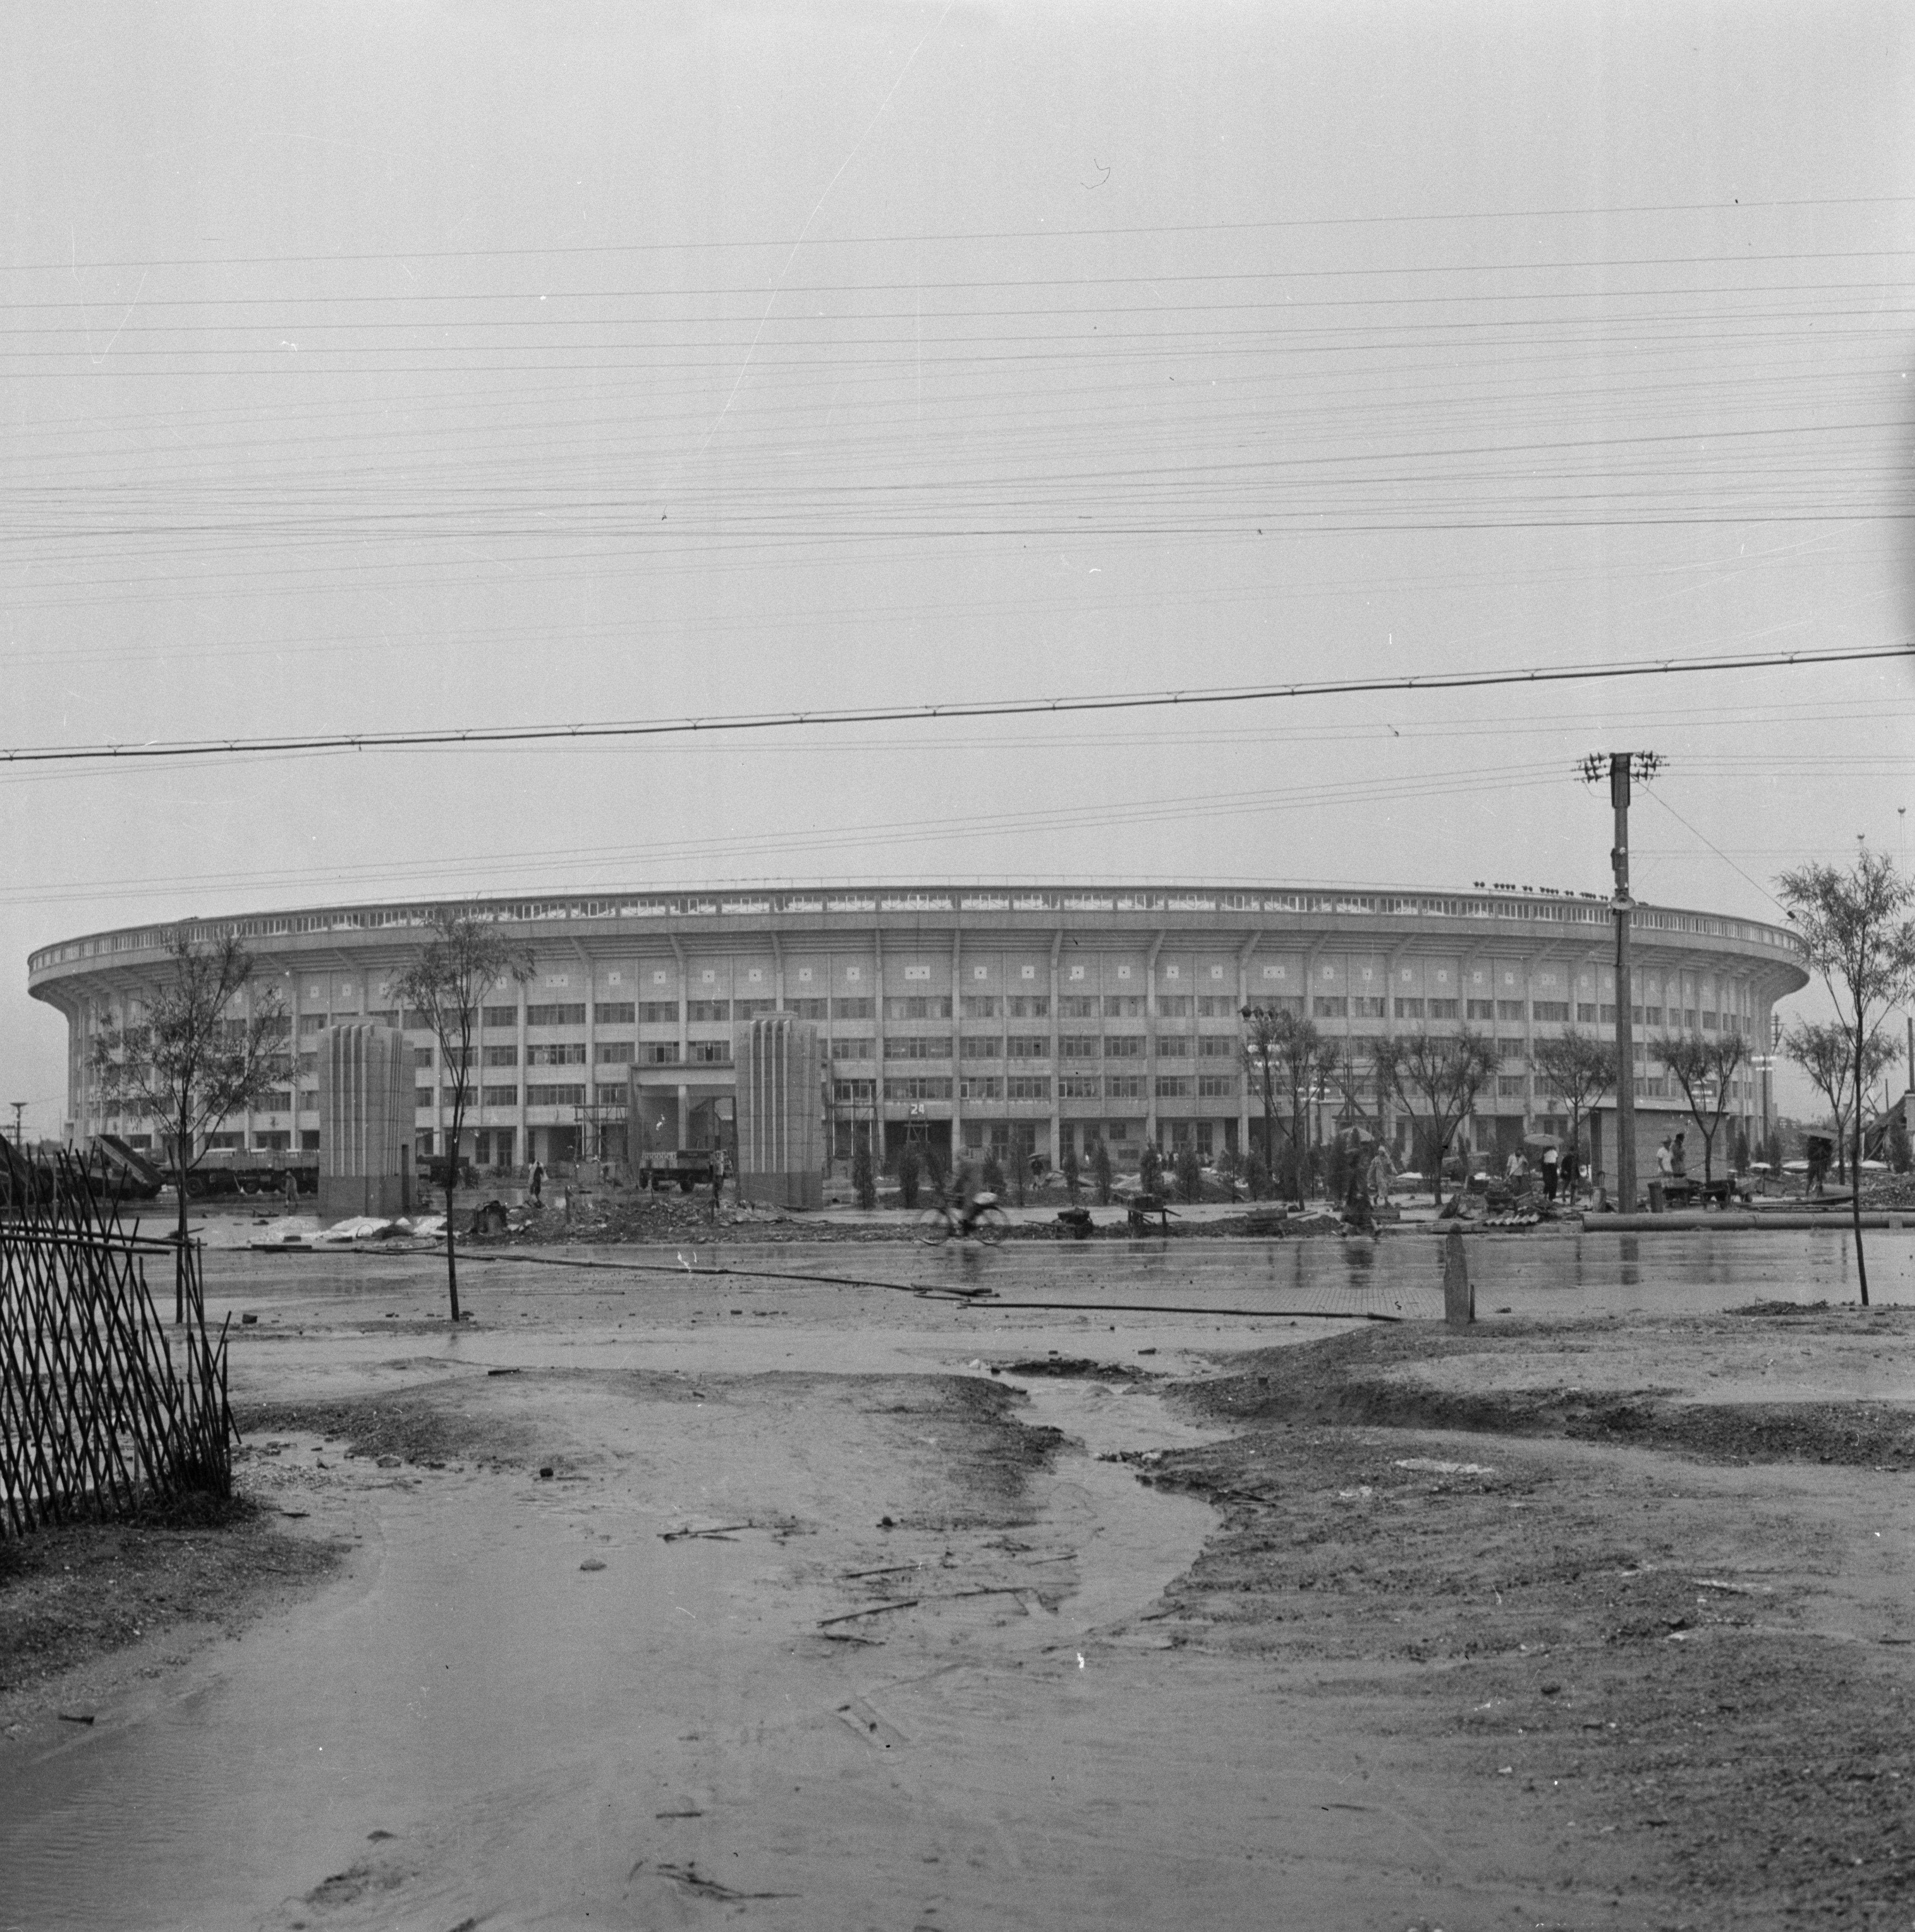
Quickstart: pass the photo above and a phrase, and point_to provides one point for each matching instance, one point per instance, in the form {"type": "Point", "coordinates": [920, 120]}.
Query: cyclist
{"type": "Point", "coordinates": [964, 1195]}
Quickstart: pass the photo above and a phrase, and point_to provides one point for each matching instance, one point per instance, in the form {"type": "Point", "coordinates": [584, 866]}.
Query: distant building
{"type": "Point", "coordinates": [1014, 1019]}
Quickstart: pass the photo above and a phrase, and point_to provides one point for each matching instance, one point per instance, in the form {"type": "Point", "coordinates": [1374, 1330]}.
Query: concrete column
{"type": "Point", "coordinates": [1150, 1038]}
{"type": "Point", "coordinates": [1057, 1064]}
{"type": "Point", "coordinates": [831, 1065]}
{"type": "Point", "coordinates": [293, 1037]}
{"type": "Point", "coordinates": [684, 1004]}
{"type": "Point", "coordinates": [1529, 1040]}
{"type": "Point", "coordinates": [591, 1058]}
{"type": "Point", "coordinates": [957, 1046]}
{"type": "Point", "coordinates": [878, 1048]}
{"type": "Point", "coordinates": [523, 1150]}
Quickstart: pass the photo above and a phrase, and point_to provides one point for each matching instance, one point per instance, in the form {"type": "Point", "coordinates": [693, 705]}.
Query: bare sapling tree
{"type": "Point", "coordinates": [464, 960]}
{"type": "Point", "coordinates": [1577, 1070]}
{"type": "Point", "coordinates": [1286, 1055]}
{"type": "Point", "coordinates": [1437, 1077]}
{"type": "Point", "coordinates": [190, 1050]}
{"type": "Point", "coordinates": [1861, 939]}
{"type": "Point", "coordinates": [1822, 1049]}
{"type": "Point", "coordinates": [1705, 1069]}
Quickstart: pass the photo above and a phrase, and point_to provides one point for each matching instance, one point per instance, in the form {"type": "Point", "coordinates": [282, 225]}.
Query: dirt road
{"type": "Point", "coordinates": [818, 1621]}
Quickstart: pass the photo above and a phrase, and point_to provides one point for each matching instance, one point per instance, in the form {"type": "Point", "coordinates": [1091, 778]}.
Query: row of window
{"type": "Point", "coordinates": [931, 1086]}
{"type": "Point", "coordinates": [973, 1087]}
{"type": "Point", "coordinates": [1121, 1005]}
{"type": "Point", "coordinates": [1037, 1046]}
{"type": "Point", "coordinates": [660, 1053]}
{"type": "Point", "coordinates": [542, 1095]}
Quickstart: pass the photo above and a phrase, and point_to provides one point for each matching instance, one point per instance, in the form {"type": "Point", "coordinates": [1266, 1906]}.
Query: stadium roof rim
{"type": "Point", "coordinates": [1532, 908]}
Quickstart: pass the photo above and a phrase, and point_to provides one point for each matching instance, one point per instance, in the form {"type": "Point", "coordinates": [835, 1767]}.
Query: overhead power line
{"type": "Point", "coordinates": [1048, 235]}
{"type": "Point", "coordinates": [521, 734]}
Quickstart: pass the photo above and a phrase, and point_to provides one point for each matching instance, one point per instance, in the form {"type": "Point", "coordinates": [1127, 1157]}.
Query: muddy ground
{"type": "Point", "coordinates": [639, 1601]}
{"type": "Point", "coordinates": [79, 1603]}
{"type": "Point", "coordinates": [1672, 1623]}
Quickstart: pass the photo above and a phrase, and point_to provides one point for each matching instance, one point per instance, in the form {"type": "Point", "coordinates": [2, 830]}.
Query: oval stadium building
{"type": "Point", "coordinates": [1017, 1018]}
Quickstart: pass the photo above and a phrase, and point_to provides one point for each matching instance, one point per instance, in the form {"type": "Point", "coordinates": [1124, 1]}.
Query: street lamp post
{"type": "Point", "coordinates": [1261, 1020]}
{"type": "Point", "coordinates": [1763, 1064]}
{"type": "Point", "coordinates": [1621, 766]}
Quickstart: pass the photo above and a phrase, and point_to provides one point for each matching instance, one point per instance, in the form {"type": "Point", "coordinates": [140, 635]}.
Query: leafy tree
{"type": "Point", "coordinates": [1190, 1172]}
{"type": "Point", "coordinates": [1336, 1168]}
{"type": "Point", "coordinates": [864, 1177]}
{"type": "Point", "coordinates": [1861, 940]}
{"type": "Point", "coordinates": [911, 1171]}
{"type": "Point", "coordinates": [1823, 1050]}
{"type": "Point", "coordinates": [187, 1061]}
{"type": "Point", "coordinates": [1070, 1170]}
{"type": "Point", "coordinates": [1256, 1176]}
{"type": "Point", "coordinates": [1443, 1073]}
{"type": "Point", "coordinates": [1577, 1070]}
{"type": "Point", "coordinates": [1701, 1064]}
{"type": "Point", "coordinates": [1150, 1168]}
{"type": "Point", "coordinates": [464, 959]}
{"type": "Point", "coordinates": [1287, 1056]}
{"type": "Point", "coordinates": [1100, 1171]}
{"type": "Point", "coordinates": [1230, 1167]}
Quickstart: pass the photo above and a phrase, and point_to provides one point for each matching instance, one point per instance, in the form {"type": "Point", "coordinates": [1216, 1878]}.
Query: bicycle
{"type": "Point", "coordinates": [985, 1222]}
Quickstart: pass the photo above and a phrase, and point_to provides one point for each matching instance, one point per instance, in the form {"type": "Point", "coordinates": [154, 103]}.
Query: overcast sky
{"type": "Point", "coordinates": [379, 365]}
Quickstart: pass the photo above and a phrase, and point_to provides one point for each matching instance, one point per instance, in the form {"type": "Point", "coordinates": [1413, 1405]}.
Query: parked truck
{"type": "Point", "coordinates": [689, 1167]}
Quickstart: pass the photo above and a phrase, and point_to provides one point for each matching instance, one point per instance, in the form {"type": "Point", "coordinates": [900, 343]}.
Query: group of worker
{"type": "Point", "coordinates": [1672, 1166]}
{"type": "Point", "coordinates": [1548, 1172]}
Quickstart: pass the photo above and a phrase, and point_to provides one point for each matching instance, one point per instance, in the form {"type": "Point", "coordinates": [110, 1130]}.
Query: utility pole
{"type": "Point", "coordinates": [1768, 1082]}
{"type": "Point", "coordinates": [1621, 766]}
{"type": "Point", "coordinates": [19, 1111]}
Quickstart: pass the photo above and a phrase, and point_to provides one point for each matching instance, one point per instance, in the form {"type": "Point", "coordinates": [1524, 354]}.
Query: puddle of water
{"type": "Point", "coordinates": [1133, 1541]}
{"type": "Point", "coordinates": [1693, 1272]}
{"type": "Point", "coordinates": [671, 1316]}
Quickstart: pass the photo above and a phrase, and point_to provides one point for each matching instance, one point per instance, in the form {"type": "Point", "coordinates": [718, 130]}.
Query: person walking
{"type": "Point", "coordinates": [1356, 1195]}
{"type": "Point", "coordinates": [538, 1184]}
{"type": "Point", "coordinates": [1551, 1176]}
{"type": "Point", "coordinates": [1381, 1172]}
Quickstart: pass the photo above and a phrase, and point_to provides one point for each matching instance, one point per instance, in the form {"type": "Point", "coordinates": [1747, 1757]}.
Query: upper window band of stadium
{"type": "Point", "coordinates": [1541, 908]}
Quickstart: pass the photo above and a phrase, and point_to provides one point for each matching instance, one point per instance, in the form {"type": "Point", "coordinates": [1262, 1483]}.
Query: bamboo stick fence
{"type": "Point", "coordinates": [97, 1416]}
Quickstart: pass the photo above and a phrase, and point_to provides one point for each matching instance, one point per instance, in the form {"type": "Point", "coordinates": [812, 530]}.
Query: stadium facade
{"type": "Point", "coordinates": [1020, 1019]}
